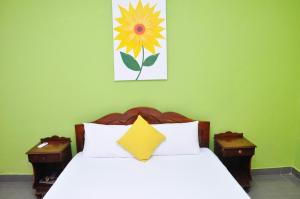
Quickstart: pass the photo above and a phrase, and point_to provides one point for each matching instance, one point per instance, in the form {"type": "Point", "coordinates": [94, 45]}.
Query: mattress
{"type": "Point", "coordinates": [162, 177]}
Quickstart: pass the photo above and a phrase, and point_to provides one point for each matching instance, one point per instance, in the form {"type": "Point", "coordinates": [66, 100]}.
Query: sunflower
{"type": "Point", "coordinates": [139, 28]}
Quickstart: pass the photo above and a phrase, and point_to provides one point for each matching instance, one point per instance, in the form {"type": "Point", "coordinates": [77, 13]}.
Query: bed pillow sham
{"type": "Point", "coordinates": [101, 140]}
{"type": "Point", "coordinates": [181, 138]}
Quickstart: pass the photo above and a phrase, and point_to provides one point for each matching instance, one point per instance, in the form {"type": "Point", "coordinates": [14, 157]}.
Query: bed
{"type": "Point", "coordinates": [194, 176]}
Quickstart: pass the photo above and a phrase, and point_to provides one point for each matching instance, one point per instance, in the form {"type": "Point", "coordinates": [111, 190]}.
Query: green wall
{"type": "Point", "coordinates": [297, 132]}
{"type": "Point", "coordinates": [230, 62]}
{"type": "Point", "coordinates": [297, 135]}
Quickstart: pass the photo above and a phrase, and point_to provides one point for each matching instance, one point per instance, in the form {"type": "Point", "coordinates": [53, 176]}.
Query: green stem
{"type": "Point", "coordinates": [142, 64]}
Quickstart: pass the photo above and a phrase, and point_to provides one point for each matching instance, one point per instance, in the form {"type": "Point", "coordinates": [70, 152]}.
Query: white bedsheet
{"type": "Point", "coordinates": [162, 177]}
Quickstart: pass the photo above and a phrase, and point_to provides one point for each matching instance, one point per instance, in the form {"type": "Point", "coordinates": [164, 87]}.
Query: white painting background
{"type": "Point", "coordinates": [159, 69]}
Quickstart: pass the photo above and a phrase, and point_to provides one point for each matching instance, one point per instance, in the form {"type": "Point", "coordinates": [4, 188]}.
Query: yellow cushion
{"type": "Point", "coordinates": [141, 139]}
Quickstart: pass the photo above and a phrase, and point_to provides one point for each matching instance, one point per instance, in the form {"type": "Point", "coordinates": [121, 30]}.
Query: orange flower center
{"type": "Point", "coordinates": [139, 29]}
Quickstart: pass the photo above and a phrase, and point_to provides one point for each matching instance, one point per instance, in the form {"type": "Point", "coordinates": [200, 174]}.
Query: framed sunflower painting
{"type": "Point", "coordinates": [140, 47]}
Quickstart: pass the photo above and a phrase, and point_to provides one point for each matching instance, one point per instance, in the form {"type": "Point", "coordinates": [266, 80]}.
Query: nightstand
{"type": "Point", "coordinates": [48, 162]}
{"type": "Point", "coordinates": [236, 152]}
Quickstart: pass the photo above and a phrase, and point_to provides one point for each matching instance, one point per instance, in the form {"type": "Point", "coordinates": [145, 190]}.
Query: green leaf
{"type": "Point", "coordinates": [130, 62]}
{"type": "Point", "coordinates": [150, 60]}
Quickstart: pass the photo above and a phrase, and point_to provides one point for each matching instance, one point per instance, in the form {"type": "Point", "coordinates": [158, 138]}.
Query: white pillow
{"type": "Point", "coordinates": [101, 140]}
{"type": "Point", "coordinates": [181, 138]}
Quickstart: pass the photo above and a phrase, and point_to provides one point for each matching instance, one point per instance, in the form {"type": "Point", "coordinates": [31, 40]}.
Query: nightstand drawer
{"type": "Point", "coordinates": [238, 152]}
{"type": "Point", "coordinates": [41, 158]}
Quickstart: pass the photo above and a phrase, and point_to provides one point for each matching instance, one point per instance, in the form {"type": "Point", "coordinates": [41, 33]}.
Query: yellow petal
{"type": "Point", "coordinates": [141, 14]}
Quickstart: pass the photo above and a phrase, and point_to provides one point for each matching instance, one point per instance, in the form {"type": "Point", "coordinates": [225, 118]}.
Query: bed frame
{"type": "Point", "coordinates": [152, 115]}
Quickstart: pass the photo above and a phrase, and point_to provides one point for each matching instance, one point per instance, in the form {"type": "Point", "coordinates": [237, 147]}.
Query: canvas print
{"type": "Point", "coordinates": [140, 47]}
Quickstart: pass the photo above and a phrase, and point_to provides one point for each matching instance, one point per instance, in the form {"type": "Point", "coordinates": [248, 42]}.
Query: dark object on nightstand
{"type": "Point", "coordinates": [48, 162]}
{"type": "Point", "coordinates": [236, 152]}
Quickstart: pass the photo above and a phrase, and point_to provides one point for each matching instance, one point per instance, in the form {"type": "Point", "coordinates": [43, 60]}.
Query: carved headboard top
{"type": "Point", "coordinates": [152, 115]}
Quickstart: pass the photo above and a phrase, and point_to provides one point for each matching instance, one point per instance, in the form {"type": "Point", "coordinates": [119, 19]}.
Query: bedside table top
{"type": "Point", "coordinates": [230, 140]}
{"type": "Point", "coordinates": [230, 143]}
{"type": "Point", "coordinates": [52, 147]}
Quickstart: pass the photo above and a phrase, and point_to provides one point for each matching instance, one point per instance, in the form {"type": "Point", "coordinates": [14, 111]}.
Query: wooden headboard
{"type": "Point", "coordinates": [152, 115]}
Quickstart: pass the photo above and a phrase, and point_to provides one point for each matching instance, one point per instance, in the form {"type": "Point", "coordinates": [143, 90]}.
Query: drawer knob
{"type": "Point", "coordinates": [240, 151]}
{"type": "Point", "coordinates": [43, 158]}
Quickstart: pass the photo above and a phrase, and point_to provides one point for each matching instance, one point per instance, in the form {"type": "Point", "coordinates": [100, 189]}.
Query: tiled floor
{"type": "Point", "coordinates": [275, 187]}
{"type": "Point", "coordinates": [263, 187]}
{"type": "Point", "coordinates": [16, 190]}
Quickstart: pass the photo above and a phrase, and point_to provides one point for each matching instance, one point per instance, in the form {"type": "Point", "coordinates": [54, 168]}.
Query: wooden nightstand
{"type": "Point", "coordinates": [236, 152]}
{"type": "Point", "coordinates": [48, 162]}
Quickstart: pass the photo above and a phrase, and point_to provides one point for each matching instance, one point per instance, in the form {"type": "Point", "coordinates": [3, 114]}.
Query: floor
{"type": "Point", "coordinates": [275, 187]}
{"type": "Point", "coordinates": [263, 187]}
